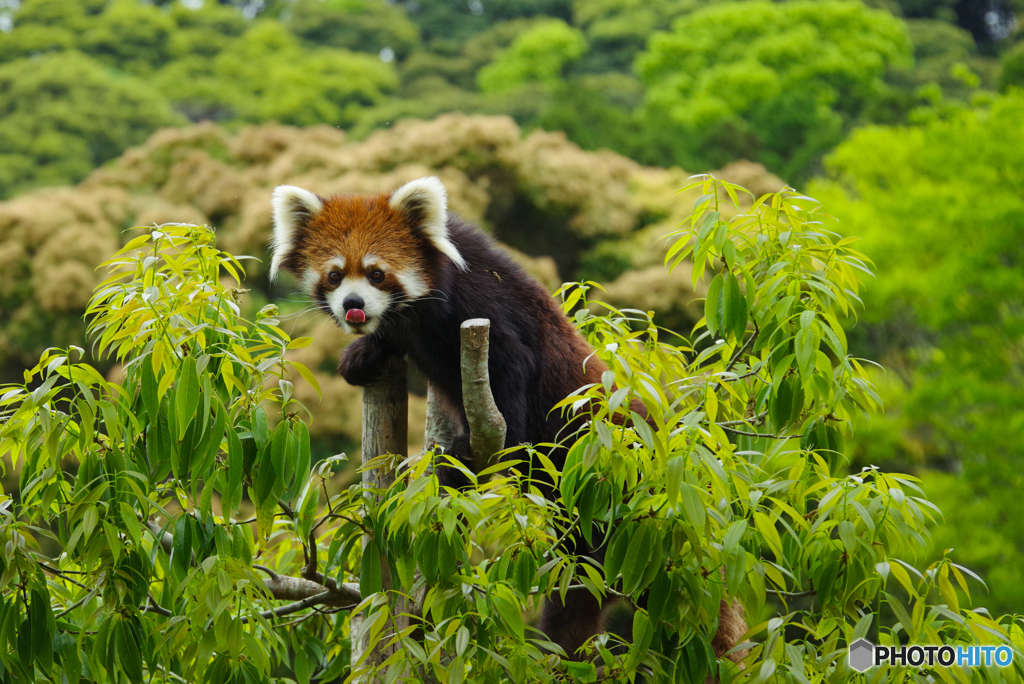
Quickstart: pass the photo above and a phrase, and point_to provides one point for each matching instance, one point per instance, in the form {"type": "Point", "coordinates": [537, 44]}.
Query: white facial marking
{"type": "Point", "coordinates": [310, 277]}
{"type": "Point", "coordinates": [413, 284]}
{"type": "Point", "coordinates": [375, 304]}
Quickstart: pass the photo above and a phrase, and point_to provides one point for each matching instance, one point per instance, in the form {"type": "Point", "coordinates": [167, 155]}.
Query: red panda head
{"type": "Point", "coordinates": [361, 257]}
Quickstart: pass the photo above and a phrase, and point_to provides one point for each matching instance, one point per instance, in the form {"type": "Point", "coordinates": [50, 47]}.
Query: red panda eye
{"type": "Point", "coordinates": [334, 277]}
{"type": "Point", "coordinates": [376, 275]}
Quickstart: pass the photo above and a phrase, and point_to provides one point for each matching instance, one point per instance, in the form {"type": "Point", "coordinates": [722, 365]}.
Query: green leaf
{"type": "Point", "coordinates": [129, 653]}
{"type": "Point", "coordinates": [525, 569]}
{"type": "Point", "coordinates": [734, 534]}
{"type": "Point", "coordinates": [509, 612]}
{"type": "Point", "coordinates": [207, 449]}
{"type": "Point", "coordinates": [734, 307]}
{"type": "Point", "coordinates": [186, 394]}
{"type": "Point", "coordinates": [260, 431]}
{"type": "Point", "coordinates": [182, 548]}
{"type": "Point", "coordinates": [696, 515]}
{"type": "Point", "coordinates": [426, 548]}
{"type": "Point", "coordinates": [233, 493]}
{"type": "Point", "coordinates": [150, 398]}
{"type": "Point", "coordinates": [660, 596]}
{"type": "Point", "coordinates": [643, 633]}
{"type": "Point", "coordinates": [806, 344]}
{"type": "Point", "coordinates": [41, 629]}
{"type": "Point", "coordinates": [693, 662]}
{"type": "Point", "coordinates": [300, 435]}
{"type": "Point", "coordinates": [617, 552]}
{"type": "Point", "coordinates": [370, 581]}
{"type": "Point", "coordinates": [637, 557]}
{"type": "Point", "coordinates": [712, 305]}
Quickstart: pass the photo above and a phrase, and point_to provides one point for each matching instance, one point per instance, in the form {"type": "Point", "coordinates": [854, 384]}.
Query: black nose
{"type": "Point", "coordinates": [352, 302]}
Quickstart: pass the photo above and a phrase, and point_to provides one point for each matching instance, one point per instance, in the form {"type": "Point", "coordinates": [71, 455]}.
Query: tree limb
{"type": "Point", "coordinates": [285, 588]}
{"type": "Point", "coordinates": [306, 593]}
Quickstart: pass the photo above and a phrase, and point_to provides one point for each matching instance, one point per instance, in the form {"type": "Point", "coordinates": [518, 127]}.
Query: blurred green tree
{"type": "Point", "coordinates": [204, 31]}
{"type": "Point", "coordinates": [538, 55]}
{"type": "Point", "coordinates": [360, 25]}
{"type": "Point", "coordinates": [776, 82]}
{"type": "Point", "coordinates": [447, 22]}
{"type": "Point", "coordinates": [940, 207]}
{"type": "Point", "coordinates": [1012, 73]}
{"type": "Point", "coordinates": [266, 75]}
{"type": "Point", "coordinates": [130, 35]}
{"type": "Point", "coordinates": [62, 115]}
{"type": "Point", "coordinates": [618, 29]}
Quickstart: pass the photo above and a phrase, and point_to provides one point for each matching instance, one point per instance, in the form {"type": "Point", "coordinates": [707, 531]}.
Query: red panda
{"type": "Point", "coordinates": [403, 274]}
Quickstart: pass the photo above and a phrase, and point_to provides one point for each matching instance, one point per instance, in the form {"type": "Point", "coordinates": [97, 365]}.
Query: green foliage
{"type": "Point", "coordinates": [618, 29]}
{"type": "Point", "coordinates": [187, 421]}
{"type": "Point", "coordinates": [781, 83]}
{"type": "Point", "coordinates": [940, 211]}
{"type": "Point", "coordinates": [358, 25]}
{"type": "Point", "coordinates": [1012, 74]}
{"type": "Point", "coordinates": [130, 35]}
{"type": "Point", "coordinates": [536, 56]}
{"type": "Point", "coordinates": [125, 560]}
{"type": "Point", "coordinates": [267, 75]}
{"type": "Point", "coordinates": [61, 115]}
{"type": "Point", "coordinates": [776, 82]}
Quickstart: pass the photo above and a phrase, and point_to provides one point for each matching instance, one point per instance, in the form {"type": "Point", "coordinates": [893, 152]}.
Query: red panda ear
{"type": "Point", "coordinates": [294, 208]}
{"type": "Point", "coordinates": [425, 202]}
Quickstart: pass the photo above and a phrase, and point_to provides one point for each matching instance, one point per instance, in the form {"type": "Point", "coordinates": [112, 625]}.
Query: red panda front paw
{"type": "Point", "coordinates": [362, 362]}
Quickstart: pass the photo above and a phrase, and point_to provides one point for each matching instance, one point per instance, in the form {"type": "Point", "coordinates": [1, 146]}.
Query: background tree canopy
{"type": "Point", "coordinates": [563, 127]}
{"type": "Point", "coordinates": [697, 83]}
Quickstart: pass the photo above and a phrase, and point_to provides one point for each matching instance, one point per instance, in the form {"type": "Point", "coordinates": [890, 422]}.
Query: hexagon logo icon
{"type": "Point", "coordinates": [862, 655]}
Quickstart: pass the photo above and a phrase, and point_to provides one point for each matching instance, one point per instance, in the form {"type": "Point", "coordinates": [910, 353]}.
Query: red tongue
{"type": "Point", "coordinates": [355, 316]}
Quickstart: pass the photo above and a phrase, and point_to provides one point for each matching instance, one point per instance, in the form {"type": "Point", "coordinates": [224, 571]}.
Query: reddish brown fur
{"type": "Point", "coordinates": [352, 227]}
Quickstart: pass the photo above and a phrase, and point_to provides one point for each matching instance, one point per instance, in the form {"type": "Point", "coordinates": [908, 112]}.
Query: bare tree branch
{"type": "Point", "coordinates": [285, 588]}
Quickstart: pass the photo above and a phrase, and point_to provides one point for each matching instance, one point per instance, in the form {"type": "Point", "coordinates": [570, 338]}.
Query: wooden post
{"type": "Point", "coordinates": [442, 425]}
{"type": "Point", "coordinates": [385, 431]}
{"type": "Point", "coordinates": [486, 424]}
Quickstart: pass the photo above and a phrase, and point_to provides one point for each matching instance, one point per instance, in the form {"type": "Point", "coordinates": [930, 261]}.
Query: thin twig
{"type": "Point", "coordinates": [756, 420]}
{"type": "Point", "coordinates": [561, 540]}
{"type": "Point", "coordinates": [744, 433]}
{"type": "Point", "coordinates": [743, 350]}
{"type": "Point", "coordinates": [76, 604]}
{"type": "Point", "coordinates": [58, 573]}
{"type": "Point", "coordinates": [794, 594]}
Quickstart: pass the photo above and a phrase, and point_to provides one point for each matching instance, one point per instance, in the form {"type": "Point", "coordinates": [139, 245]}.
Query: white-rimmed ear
{"type": "Point", "coordinates": [293, 209]}
{"type": "Point", "coordinates": [426, 202]}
